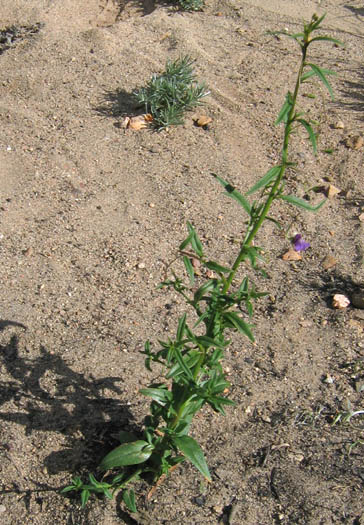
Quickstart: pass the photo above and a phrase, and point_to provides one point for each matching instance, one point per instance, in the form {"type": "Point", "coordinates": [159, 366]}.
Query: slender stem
{"type": "Point", "coordinates": [275, 188]}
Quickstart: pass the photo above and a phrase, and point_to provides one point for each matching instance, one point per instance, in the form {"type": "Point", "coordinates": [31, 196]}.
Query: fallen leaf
{"type": "Point", "coordinates": [138, 123]}
{"type": "Point", "coordinates": [329, 262]}
{"type": "Point", "coordinates": [332, 191]}
{"type": "Point", "coordinates": [291, 255]}
{"type": "Point", "coordinates": [203, 120]}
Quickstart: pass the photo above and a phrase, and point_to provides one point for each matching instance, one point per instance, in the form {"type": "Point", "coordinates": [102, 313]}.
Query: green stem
{"type": "Point", "coordinates": [275, 188]}
{"type": "Point", "coordinates": [128, 480]}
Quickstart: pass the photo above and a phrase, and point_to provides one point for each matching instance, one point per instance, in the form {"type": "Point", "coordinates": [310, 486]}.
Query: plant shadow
{"type": "Point", "coordinates": [45, 394]}
{"type": "Point", "coordinates": [117, 103]}
{"type": "Point", "coordinates": [357, 11]}
{"type": "Point", "coordinates": [143, 7]}
{"type": "Point", "coordinates": [353, 93]}
{"type": "Point", "coordinates": [332, 283]}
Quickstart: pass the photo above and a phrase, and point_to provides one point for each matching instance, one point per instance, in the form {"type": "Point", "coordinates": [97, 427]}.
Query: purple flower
{"type": "Point", "coordinates": [299, 244]}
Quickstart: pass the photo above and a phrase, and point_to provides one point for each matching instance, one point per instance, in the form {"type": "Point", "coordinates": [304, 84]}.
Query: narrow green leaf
{"type": "Point", "coordinates": [127, 454]}
{"type": "Point", "coordinates": [69, 488]}
{"type": "Point", "coordinates": [244, 286]}
{"type": "Point", "coordinates": [186, 242]}
{"type": "Point", "coordinates": [311, 73]}
{"type": "Point", "coordinates": [206, 287]}
{"type": "Point", "coordinates": [129, 499]}
{"type": "Point", "coordinates": [310, 132]}
{"type": "Point", "coordinates": [192, 450]}
{"type": "Point", "coordinates": [208, 341]}
{"type": "Point", "coordinates": [265, 180]}
{"type": "Point", "coordinates": [181, 327]}
{"type": "Point", "coordinates": [211, 265]}
{"type": "Point", "coordinates": [295, 36]}
{"type": "Point", "coordinates": [239, 324]}
{"type": "Point", "coordinates": [328, 38]}
{"type": "Point", "coordinates": [277, 223]}
{"type": "Point", "coordinates": [301, 203]}
{"type": "Point", "coordinates": [182, 364]}
{"type": "Point", "coordinates": [320, 73]}
{"type": "Point", "coordinates": [221, 400]}
{"type": "Point", "coordinates": [107, 493]}
{"type": "Point", "coordinates": [234, 194]}
{"type": "Point", "coordinates": [191, 361]}
{"type": "Point", "coordinates": [189, 269]}
{"type": "Point", "coordinates": [85, 496]}
{"type": "Point", "coordinates": [282, 115]}
{"type": "Point", "coordinates": [195, 241]}
{"type": "Point", "coordinates": [160, 395]}
{"type": "Point", "coordinates": [97, 484]}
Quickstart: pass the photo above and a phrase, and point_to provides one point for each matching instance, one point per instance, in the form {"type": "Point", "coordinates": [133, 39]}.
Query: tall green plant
{"type": "Point", "coordinates": [191, 360]}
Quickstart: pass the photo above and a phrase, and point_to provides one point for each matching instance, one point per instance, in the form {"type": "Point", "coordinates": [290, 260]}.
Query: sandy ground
{"type": "Point", "coordinates": [91, 214]}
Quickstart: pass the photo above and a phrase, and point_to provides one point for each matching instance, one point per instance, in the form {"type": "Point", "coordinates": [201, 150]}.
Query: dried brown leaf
{"type": "Point", "coordinates": [203, 120]}
{"type": "Point", "coordinates": [329, 262]}
{"type": "Point", "coordinates": [291, 255]}
{"type": "Point", "coordinates": [332, 191]}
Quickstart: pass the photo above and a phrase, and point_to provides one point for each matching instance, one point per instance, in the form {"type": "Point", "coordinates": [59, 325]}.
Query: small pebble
{"type": "Point", "coordinates": [339, 125]}
{"type": "Point", "coordinates": [328, 379]}
{"type": "Point", "coordinates": [340, 301]}
{"type": "Point", "coordinates": [2, 509]}
{"type": "Point", "coordinates": [141, 266]}
{"type": "Point", "coordinates": [28, 252]}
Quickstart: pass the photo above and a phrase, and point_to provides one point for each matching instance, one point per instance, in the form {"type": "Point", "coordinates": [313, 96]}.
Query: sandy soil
{"type": "Point", "coordinates": [90, 215]}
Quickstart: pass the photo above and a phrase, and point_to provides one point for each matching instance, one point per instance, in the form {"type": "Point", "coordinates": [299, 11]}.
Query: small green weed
{"type": "Point", "coordinates": [346, 415]}
{"type": "Point", "coordinates": [169, 95]}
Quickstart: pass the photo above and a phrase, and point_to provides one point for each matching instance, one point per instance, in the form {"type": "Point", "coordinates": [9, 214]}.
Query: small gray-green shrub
{"type": "Point", "coordinates": [169, 95]}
